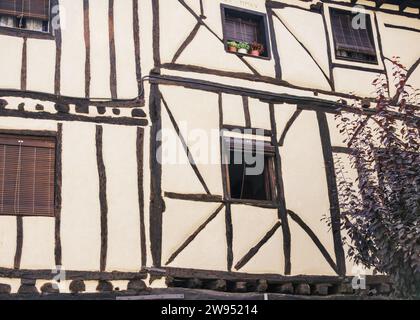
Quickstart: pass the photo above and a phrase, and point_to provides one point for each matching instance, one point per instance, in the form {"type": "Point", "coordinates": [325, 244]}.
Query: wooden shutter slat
{"type": "Point", "coordinates": [27, 174]}
{"type": "Point", "coordinates": [37, 9]}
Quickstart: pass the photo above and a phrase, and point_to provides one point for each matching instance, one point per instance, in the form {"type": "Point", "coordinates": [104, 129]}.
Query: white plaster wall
{"type": "Point", "coordinates": [233, 110]}
{"type": "Point", "coordinates": [306, 192]}
{"type": "Point", "coordinates": [10, 62]}
{"type": "Point", "coordinates": [198, 120]}
{"type": "Point", "coordinates": [355, 82]}
{"type": "Point", "coordinates": [124, 49]}
{"type": "Point", "coordinates": [80, 215]}
{"type": "Point", "coordinates": [73, 48]}
{"type": "Point", "coordinates": [40, 65]}
{"type": "Point", "coordinates": [8, 235]}
{"type": "Point", "coordinates": [100, 55]}
{"type": "Point", "coordinates": [208, 249]}
{"type": "Point", "coordinates": [38, 243]}
{"type": "Point", "coordinates": [259, 114]}
{"type": "Point", "coordinates": [119, 151]}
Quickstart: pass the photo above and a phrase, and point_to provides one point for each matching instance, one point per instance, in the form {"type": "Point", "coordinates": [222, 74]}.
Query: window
{"type": "Point", "coordinates": [27, 171]}
{"type": "Point", "coordinates": [249, 168]}
{"type": "Point", "coordinates": [247, 29]}
{"type": "Point", "coordinates": [25, 14]}
{"type": "Point", "coordinates": [350, 43]}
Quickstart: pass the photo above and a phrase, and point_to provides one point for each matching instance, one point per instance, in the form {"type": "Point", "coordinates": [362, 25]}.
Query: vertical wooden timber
{"type": "Point", "coordinates": [332, 191]}
{"type": "Point", "coordinates": [274, 47]}
{"type": "Point", "coordinates": [58, 43]}
{"type": "Point", "coordinates": [282, 211]}
{"type": "Point", "coordinates": [57, 195]}
{"type": "Point", "coordinates": [139, 153]}
{"type": "Point", "coordinates": [102, 197]}
{"type": "Point", "coordinates": [156, 207]}
{"type": "Point", "coordinates": [136, 37]}
{"type": "Point", "coordinates": [113, 69]}
{"type": "Point", "coordinates": [19, 242]}
{"type": "Point", "coordinates": [156, 34]}
{"type": "Point", "coordinates": [23, 72]}
{"type": "Point", "coordinates": [87, 46]}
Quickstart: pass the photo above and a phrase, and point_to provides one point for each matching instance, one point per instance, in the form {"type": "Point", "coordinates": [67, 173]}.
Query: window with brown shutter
{"type": "Point", "coordinates": [25, 14]}
{"type": "Point", "coordinates": [27, 175]}
{"type": "Point", "coordinates": [241, 25]}
{"type": "Point", "coordinates": [351, 43]}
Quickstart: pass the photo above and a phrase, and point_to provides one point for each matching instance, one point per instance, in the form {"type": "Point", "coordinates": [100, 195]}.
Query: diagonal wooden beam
{"type": "Point", "coordinates": [194, 235]}
{"type": "Point", "coordinates": [186, 42]}
{"type": "Point", "coordinates": [289, 124]}
{"type": "Point", "coordinates": [306, 49]}
{"type": "Point", "coordinates": [185, 146]}
{"type": "Point", "coordinates": [314, 238]}
{"type": "Point", "coordinates": [254, 250]}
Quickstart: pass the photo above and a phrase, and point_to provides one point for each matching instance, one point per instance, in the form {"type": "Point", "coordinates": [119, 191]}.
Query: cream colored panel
{"type": "Point", "coordinates": [198, 119]}
{"type": "Point", "coordinates": [124, 49]}
{"type": "Point", "coordinates": [175, 163]}
{"type": "Point", "coordinates": [354, 81]}
{"type": "Point", "coordinates": [305, 255]}
{"type": "Point", "coordinates": [282, 113]}
{"type": "Point", "coordinates": [8, 236]}
{"type": "Point", "coordinates": [27, 124]}
{"type": "Point", "coordinates": [146, 43]}
{"type": "Point", "coordinates": [173, 17]}
{"type": "Point", "coordinates": [207, 51]}
{"type": "Point", "coordinates": [119, 148]}
{"type": "Point", "coordinates": [308, 27]}
{"type": "Point", "coordinates": [304, 176]}
{"type": "Point", "coordinates": [40, 65]}
{"type": "Point", "coordinates": [80, 215]}
{"type": "Point", "coordinates": [10, 62]}
{"type": "Point", "coordinates": [99, 53]}
{"type": "Point", "coordinates": [233, 110]}
{"type": "Point", "coordinates": [260, 114]}
{"type": "Point", "coordinates": [250, 225]}
{"type": "Point", "coordinates": [208, 250]}
{"type": "Point", "coordinates": [337, 138]}
{"type": "Point", "coordinates": [295, 61]}
{"type": "Point", "coordinates": [38, 243]}
{"type": "Point", "coordinates": [270, 258]}
{"type": "Point", "coordinates": [73, 49]}
{"type": "Point", "coordinates": [414, 80]}
{"type": "Point", "coordinates": [180, 220]}
{"type": "Point", "coordinates": [397, 42]}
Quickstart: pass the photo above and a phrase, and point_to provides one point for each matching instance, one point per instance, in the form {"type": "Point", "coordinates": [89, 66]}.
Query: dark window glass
{"type": "Point", "coordinates": [25, 14]}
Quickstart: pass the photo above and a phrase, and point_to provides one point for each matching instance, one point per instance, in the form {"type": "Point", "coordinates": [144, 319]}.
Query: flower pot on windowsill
{"type": "Point", "coordinates": [255, 53]}
{"type": "Point", "coordinates": [243, 51]}
{"type": "Point", "coordinates": [232, 49]}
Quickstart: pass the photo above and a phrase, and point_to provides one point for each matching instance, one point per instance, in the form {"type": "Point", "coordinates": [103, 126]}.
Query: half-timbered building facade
{"type": "Point", "coordinates": [90, 88]}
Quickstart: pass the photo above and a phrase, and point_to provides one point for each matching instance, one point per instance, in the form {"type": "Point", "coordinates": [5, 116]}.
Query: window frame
{"type": "Point", "coordinates": [272, 178]}
{"type": "Point", "coordinates": [263, 19]}
{"type": "Point", "coordinates": [18, 32]}
{"type": "Point", "coordinates": [39, 135]}
{"type": "Point", "coordinates": [347, 63]}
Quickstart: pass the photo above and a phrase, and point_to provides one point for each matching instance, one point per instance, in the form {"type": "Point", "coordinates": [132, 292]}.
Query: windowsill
{"type": "Point", "coordinates": [248, 55]}
{"type": "Point", "coordinates": [371, 63]}
{"type": "Point", "coordinates": [16, 32]}
{"type": "Point", "coordinates": [262, 203]}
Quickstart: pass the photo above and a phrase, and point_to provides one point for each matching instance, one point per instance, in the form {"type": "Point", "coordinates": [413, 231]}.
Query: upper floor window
{"type": "Point", "coordinates": [27, 175]}
{"type": "Point", "coordinates": [31, 15]}
{"type": "Point", "coordinates": [353, 37]}
{"type": "Point", "coordinates": [245, 32]}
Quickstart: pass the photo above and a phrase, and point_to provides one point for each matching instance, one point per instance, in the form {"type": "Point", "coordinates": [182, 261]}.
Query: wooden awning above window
{"type": "Point", "coordinates": [37, 9]}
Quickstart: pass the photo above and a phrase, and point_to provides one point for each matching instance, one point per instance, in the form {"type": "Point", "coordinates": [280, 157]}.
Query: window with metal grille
{"type": "Point", "coordinates": [25, 14]}
{"type": "Point", "coordinates": [249, 180]}
{"type": "Point", "coordinates": [355, 44]}
{"type": "Point", "coordinates": [27, 175]}
{"type": "Point", "coordinates": [241, 25]}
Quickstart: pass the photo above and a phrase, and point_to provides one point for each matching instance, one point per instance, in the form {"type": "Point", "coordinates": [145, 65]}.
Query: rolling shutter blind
{"type": "Point", "coordinates": [27, 170]}
{"type": "Point", "coordinates": [349, 39]}
{"type": "Point", "coordinates": [37, 9]}
{"type": "Point", "coordinates": [240, 30]}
